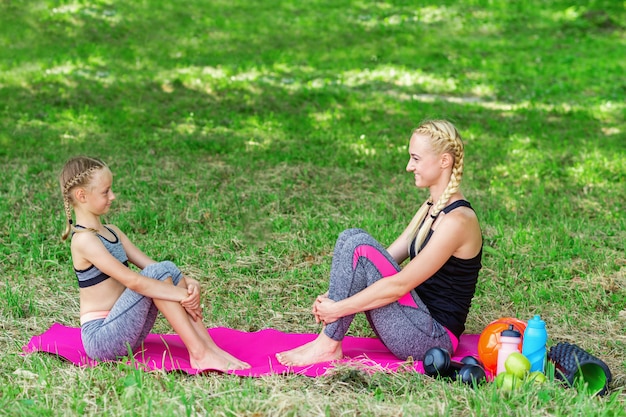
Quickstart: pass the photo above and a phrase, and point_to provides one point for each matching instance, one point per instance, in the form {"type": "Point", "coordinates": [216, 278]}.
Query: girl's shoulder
{"type": "Point", "coordinates": [82, 244]}
{"type": "Point", "coordinates": [113, 227]}
{"type": "Point", "coordinates": [117, 231]}
{"type": "Point", "coordinates": [83, 236]}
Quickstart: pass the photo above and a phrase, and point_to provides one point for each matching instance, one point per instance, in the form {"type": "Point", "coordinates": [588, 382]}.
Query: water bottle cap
{"type": "Point", "coordinates": [511, 332]}
{"type": "Point", "coordinates": [536, 322]}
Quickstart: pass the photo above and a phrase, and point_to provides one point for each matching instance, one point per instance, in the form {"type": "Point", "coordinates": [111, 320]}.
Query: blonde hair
{"type": "Point", "coordinates": [77, 172]}
{"type": "Point", "coordinates": [445, 138]}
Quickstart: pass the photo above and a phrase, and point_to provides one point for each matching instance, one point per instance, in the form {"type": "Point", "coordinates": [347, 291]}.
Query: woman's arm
{"type": "Point", "coordinates": [452, 234]}
{"type": "Point", "coordinates": [399, 249]}
{"type": "Point", "coordinates": [87, 247]}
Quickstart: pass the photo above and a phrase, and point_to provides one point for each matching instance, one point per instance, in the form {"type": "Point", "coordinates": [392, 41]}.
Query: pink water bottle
{"type": "Point", "coordinates": [509, 343]}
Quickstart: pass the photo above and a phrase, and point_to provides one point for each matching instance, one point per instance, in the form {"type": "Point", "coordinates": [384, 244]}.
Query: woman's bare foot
{"type": "Point", "coordinates": [219, 360]}
{"type": "Point", "coordinates": [322, 349]}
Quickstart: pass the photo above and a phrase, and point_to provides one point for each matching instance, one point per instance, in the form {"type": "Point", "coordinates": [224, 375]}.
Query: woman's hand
{"type": "Point", "coordinates": [192, 302]}
{"type": "Point", "coordinates": [324, 310]}
{"type": "Point", "coordinates": [314, 306]}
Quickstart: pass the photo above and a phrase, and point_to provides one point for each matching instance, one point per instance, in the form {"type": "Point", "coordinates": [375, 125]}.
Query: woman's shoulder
{"type": "Point", "coordinates": [463, 218]}
{"type": "Point", "coordinates": [460, 221]}
{"type": "Point", "coordinates": [460, 208]}
{"type": "Point", "coordinates": [462, 224]}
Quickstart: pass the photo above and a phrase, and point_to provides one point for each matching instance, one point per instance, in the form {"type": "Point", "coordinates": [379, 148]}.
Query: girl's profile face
{"type": "Point", "coordinates": [99, 193]}
{"type": "Point", "coordinates": [423, 162]}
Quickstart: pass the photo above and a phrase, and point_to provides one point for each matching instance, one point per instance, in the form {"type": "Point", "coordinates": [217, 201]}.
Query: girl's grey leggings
{"type": "Point", "coordinates": [129, 321]}
{"type": "Point", "coordinates": [405, 326]}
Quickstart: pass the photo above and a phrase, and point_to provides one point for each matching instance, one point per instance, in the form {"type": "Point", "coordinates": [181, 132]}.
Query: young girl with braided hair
{"type": "Point", "coordinates": [425, 303]}
{"type": "Point", "coordinates": [118, 306]}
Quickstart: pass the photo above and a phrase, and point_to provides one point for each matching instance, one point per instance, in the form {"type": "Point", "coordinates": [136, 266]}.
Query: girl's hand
{"type": "Point", "coordinates": [195, 314]}
{"type": "Point", "coordinates": [323, 309]}
{"type": "Point", "coordinates": [192, 302]}
{"type": "Point", "coordinates": [193, 294]}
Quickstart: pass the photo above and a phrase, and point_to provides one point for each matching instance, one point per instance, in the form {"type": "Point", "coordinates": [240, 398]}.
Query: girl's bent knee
{"type": "Point", "coordinates": [173, 271]}
{"type": "Point", "coordinates": [162, 271]}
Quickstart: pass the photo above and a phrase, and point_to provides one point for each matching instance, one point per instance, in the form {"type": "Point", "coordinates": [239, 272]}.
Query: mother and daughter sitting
{"type": "Point", "coordinates": [411, 309]}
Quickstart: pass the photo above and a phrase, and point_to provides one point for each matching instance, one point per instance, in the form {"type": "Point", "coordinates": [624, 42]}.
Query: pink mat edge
{"type": "Point", "coordinates": [388, 363]}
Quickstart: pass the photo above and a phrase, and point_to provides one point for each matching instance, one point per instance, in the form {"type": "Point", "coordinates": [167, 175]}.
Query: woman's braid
{"type": "Point", "coordinates": [445, 139]}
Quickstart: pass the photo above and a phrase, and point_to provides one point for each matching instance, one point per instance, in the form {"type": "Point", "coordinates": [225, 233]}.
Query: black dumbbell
{"type": "Point", "coordinates": [469, 370]}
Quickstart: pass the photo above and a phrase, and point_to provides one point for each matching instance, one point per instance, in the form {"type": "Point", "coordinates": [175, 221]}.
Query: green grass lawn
{"type": "Point", "coordinates": [244, 136]}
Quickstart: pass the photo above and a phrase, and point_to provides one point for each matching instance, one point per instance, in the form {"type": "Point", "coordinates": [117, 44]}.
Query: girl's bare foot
{"type": "Point", "coordinates": [212, 356]}
{"type": "Point", "coordinates": [322, 349]}
{"type": "Point", "coordinates": [219, 360]}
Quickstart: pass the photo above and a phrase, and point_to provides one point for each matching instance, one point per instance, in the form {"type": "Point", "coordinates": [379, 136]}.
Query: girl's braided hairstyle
{"type": "Point", "coordinates": [77, 172]}
{"type": "Point", "coordinates": [445, 138]}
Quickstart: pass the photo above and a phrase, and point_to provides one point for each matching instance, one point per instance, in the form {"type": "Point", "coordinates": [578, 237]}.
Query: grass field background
{"type": "Point", "coordinates": [245, 135]}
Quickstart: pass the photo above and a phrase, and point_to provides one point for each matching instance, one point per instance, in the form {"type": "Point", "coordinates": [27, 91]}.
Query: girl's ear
{"type": "Point", "coordinates": [80, 194]}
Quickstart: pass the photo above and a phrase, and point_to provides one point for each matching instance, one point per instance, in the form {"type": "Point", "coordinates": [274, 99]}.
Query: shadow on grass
{"type": "Point", "coordinates": [256, 87]}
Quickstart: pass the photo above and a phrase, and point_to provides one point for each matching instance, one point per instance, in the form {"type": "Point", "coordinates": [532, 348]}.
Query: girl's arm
{"type": "Point", "coordinates": [135, 255]}
{"type": "Point", "coordinates": [451, 235]}
{"type": "Point", "coordinates": [87, 247]}
{"type": "Point", "coordinates": [141, 260]}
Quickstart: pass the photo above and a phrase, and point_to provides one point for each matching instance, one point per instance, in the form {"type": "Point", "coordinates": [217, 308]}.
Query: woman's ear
{"type": "Point", "coordinates": [446, 160]}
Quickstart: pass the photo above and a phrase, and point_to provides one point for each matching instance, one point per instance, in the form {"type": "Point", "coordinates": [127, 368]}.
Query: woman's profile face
{"type": "Point", "coordinates": [423, 162]}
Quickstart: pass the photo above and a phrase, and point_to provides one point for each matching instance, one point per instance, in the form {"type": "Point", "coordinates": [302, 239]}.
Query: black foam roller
{"type": "Point", "coordinates": [574, 365]}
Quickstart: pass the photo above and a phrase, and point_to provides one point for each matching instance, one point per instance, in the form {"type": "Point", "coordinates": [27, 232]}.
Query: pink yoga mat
{"type": "Point", "coordinates": [167, 352]}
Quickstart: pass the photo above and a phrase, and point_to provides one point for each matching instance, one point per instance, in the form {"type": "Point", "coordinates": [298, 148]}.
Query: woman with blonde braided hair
{"type": "Point", "coordinates": [425, 303]}
{"type": "Point", "coordinates": [118, 306]}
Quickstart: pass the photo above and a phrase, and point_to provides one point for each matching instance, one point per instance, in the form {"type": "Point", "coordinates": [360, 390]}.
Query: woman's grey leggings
{"type": "Point", "coordinates": [405, 326]}
{"type": "Point", "coordinates": [129, 321]}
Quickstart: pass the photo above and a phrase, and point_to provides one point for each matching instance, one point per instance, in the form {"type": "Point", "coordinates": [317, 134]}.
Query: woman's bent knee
{"type": "Point", "coordinates": [351, 232]}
